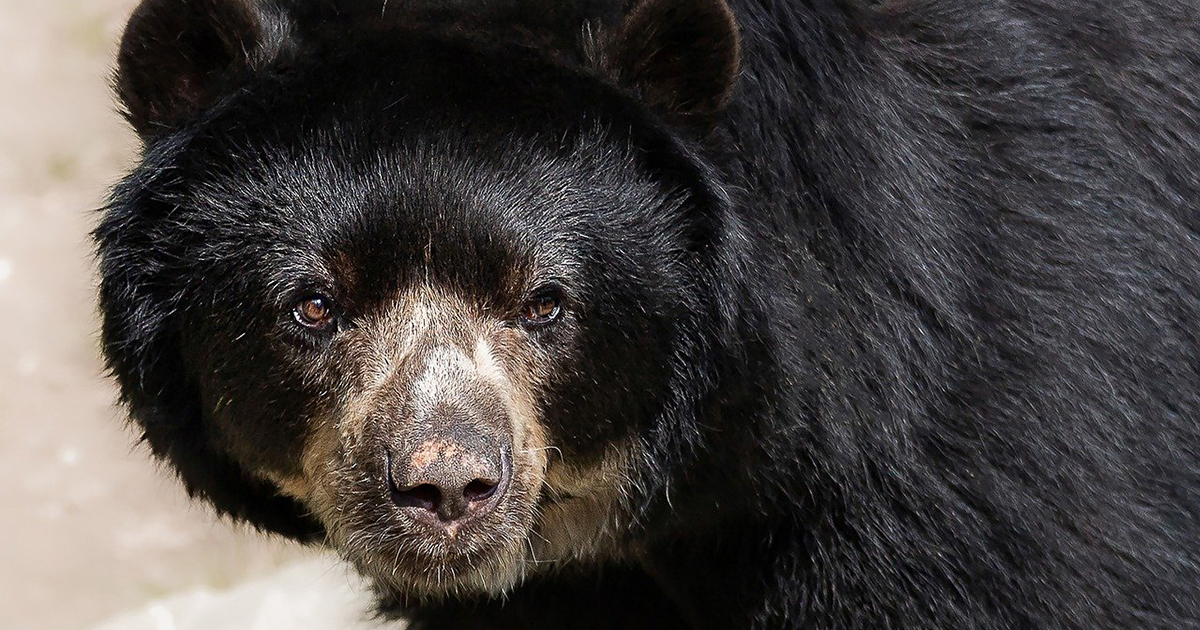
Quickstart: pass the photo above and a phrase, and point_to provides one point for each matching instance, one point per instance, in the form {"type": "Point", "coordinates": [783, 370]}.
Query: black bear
{"type": "Point", "coordinates": [836, 314]}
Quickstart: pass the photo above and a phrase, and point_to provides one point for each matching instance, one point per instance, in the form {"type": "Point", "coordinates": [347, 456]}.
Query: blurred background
{"type": "Point", "coordinates": [94, 534]}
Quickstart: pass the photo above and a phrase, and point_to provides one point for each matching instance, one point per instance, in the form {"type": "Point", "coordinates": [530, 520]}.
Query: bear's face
{"type": "Point", "coordinates": [452, 344]}
{"type": "Point", "coordinates": [440, 333]}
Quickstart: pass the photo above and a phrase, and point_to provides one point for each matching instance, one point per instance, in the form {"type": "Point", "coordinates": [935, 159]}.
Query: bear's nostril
{"type": "Point", "coordinates": [441, 481]}
{"type": "Point", "coordinates": [479, 490]}
{"type": "Point", "coordinates": [425, 496]}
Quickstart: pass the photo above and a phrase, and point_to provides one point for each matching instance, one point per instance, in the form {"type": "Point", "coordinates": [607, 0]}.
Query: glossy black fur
{"type": "Point", "coordinates": [906, 332]}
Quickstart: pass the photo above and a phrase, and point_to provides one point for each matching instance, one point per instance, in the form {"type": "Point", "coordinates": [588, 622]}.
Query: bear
{"type": "Point", "coordinates": [706, 314]}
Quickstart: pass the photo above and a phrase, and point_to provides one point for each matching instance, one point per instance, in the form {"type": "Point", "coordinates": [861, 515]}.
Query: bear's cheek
{"type": "Point", "coordinates": [585, 506]}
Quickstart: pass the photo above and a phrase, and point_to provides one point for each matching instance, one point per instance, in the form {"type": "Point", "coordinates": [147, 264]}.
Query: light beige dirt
{"type": "Point", "coordinates": [90, 526]}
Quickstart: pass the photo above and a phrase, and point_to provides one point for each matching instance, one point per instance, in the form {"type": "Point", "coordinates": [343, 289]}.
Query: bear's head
{"type": "Point", "coordinates": [445, 289]}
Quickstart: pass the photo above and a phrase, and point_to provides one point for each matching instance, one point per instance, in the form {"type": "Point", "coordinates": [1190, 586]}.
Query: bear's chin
{"type": "Point", "coordinates": [415, 561]}
{"type": "Point", "coordinates": [442, 570]}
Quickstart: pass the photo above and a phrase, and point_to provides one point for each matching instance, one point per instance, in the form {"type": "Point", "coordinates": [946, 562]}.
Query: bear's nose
{"type": "Point", "coordinates": [449, 477]}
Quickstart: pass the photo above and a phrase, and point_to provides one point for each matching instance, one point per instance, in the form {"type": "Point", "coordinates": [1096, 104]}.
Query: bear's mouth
{"type": "Point", "coordinates": [407, 540]}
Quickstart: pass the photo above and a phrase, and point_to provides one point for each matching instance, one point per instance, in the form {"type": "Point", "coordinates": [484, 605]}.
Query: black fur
{"type": "Point", "coordinates": [904, 325]}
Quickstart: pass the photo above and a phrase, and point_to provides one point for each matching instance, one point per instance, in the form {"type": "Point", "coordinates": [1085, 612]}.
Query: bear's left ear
{"type": "Point", "coordinates": [682, 56]}
{"type": "Point", "coordinates": [179, 57]}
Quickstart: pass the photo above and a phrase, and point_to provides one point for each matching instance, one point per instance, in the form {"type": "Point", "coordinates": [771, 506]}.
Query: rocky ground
{"type": "Point", "coordinates": [91, 529]}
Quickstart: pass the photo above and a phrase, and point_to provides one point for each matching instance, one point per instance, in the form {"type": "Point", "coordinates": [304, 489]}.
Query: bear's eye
{"type": "Point", "coordinates": [543, 308]}
{"type": "Point", "coordinates": [315, 313]}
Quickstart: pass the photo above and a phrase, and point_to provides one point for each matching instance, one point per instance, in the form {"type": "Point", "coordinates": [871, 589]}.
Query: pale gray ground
{"type": "Point", "coordinates": [90, 528]}
{"type": "Point", "coordinates": [312, 595]}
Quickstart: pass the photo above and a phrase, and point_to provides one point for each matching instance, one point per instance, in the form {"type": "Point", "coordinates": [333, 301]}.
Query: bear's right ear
{"type": "Point", "coordinates": [681, 56]}
{"type": "Point", "coordinates": [178, 57]}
